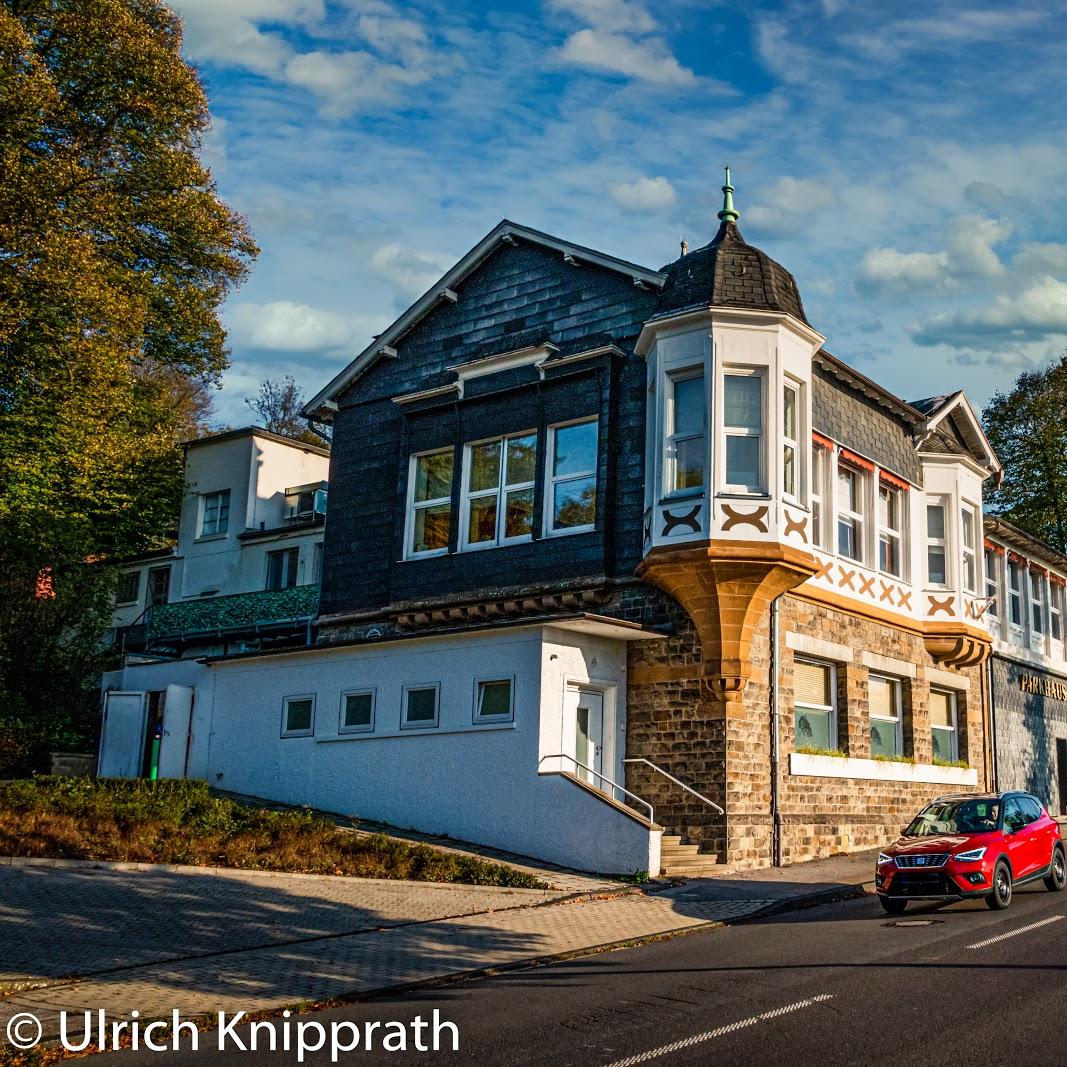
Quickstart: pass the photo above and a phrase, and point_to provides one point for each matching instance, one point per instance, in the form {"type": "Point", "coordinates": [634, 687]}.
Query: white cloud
{"type": "Point", "coordinates": [968, 255]}
{"type": "Point", "coordinates": [1037, 258]}
{"type": "Point", "coordinates": [286, 326]}
{"type": "Point", "coordinates": [347, 81]}
{"type": "Point", "coordinates": [227, 31]}
{"type": "Point", "coordinates": [1036, 313]}
{"type": "Point", "coordinates": [647, 60]}
{"type": "Point", "coordinates": [644, 194]}
{"type": "Point", "coordinates": [410, 271]}
{"type": "Point", "coordinates": [615, 16]}
{"type": "Point", "coordinates": [792, 204]}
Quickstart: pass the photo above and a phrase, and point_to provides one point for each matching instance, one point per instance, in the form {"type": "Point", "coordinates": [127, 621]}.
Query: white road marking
{"type": "Point", "coordinates": [1015, 933]}
{"type": "Point", "coordinates": [722, 1031]}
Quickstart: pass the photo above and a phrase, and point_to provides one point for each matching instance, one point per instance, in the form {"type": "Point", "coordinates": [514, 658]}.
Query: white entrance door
{"type": "Point", "coordinates": [122, 736]}
{"type": "Point", "coordinates": [589, 735]}
{"type": "Point", "coordinates": [177, 731]}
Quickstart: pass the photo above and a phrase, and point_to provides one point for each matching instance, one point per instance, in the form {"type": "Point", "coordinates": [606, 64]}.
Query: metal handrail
{"type": "Point", "coordinates": [614, 785]}
{"type": "Point", "coordinates": [660, 770]}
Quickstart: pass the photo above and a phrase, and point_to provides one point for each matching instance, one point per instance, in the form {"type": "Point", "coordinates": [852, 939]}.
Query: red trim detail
{"type": "Point", "coordinates": [819, 441]}
{"type": "Point", "coordinates": [1057, 579]}
{"type": "Point", "coordinates": [992, 546]}
{"type": "Point", "coordinates": [1014, 557]}
{"type": "Point", "coordinates": [1037, 569]}
{"type": "Point", "coordinates": [856, 461]}
{"type": "Point", "coordinates": [893, 480]}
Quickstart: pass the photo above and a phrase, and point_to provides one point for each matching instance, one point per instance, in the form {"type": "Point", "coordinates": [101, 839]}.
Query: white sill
{"type": "Point", "coordinates": [211, 537]}
{"type": "Point", "coordinates": [733, 493]}
{"type": "Point", "coordinates": [481, 728]}
{"type": "Point", "coordinates": [570, 530]}
{"type": "Point", "coordinates": [682, 495]}
{"type": "Point", "coordinates": [803, 763]}
{"type": "Point", "coordinates": [414, 557]}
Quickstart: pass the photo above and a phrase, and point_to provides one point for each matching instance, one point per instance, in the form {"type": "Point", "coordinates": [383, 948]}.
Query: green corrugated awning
{"type": "Point", "coordinates": [240, 611]}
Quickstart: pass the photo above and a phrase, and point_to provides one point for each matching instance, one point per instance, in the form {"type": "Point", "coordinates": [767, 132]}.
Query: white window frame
{"type": "Point", "coordinates": [292, 698]}
{"type": "Point", "coordinates": [342, 728]}
{"type": "Point", "coordinates": [1036, 596]}
{"type": "Point", "coordinates": [858, 519]}
{"type": "Point", "coordinates": [831, 707]}
{"type": "Point", "coordinates": [509, 716]}
{"type": "Point", "coordinates": [137, 598]}
{"type": "Point", "coordinates": [670, 452]}
{"type": "Point", "coordinates": [221, 526]}
{"type": "Point", "coordinates": [891, 534]}
{"type": "Point", "coordinates": [820, 497]}
{"type": "Point", "coordinates": [789, 385]}
{"type": "Point", "coordinates": [425, 724]}
{"type": "Point", "coordinates": [937, 542]}
{"type": "Point", "coordinates": [760, 488]}
{"type": "Point", "coordinates": [1055, 612]}
{"type": "Point", "coordinates": [992, 582]}
{"type": "Point", "coordinates": [291, 553]}
{"type": "Point", "coordinates": [413, 506]}
{"type": "Point", "coordinates": [954, 705]}
{"type": "Point", "coordinates": [969, 552]}
{"type": "Point", "coordinates": [1017, 595]}
{"type": "Point", "coordinates": [500, 493]}
{"type": "Point", "coordinates": [548, 506]}
{"type": "Point", "coordinates": [897, 686]}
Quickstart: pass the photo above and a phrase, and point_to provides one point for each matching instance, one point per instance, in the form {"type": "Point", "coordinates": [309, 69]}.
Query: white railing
{"type": "Point", "coordinates": [602, 777]}
{"type": "Point", "coordinates": [670, 777]}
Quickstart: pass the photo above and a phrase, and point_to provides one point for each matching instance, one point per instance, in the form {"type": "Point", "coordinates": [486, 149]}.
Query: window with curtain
{"type": "Point", "coordinates": [885, 702]}
{"type": "Point", "coordinates": [815, 704]}
{"type": "Point", "coordinates": [943, 727]}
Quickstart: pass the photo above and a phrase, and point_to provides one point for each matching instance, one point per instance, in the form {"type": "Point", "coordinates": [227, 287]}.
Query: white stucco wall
{"type": "Point", "coordinates": [477, 783]}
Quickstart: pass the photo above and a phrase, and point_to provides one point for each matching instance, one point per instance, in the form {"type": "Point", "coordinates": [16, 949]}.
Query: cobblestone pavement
{"type": "Point", "coordinates": [272, 976]}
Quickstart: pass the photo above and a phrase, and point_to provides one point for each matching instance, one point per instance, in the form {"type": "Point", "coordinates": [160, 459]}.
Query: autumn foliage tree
{"type": "Point", "coordinates": [1028, 430]}
{"type": "Point", "coordinates": [115, 256]}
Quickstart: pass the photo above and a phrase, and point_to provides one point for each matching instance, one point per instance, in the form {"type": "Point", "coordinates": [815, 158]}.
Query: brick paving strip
{"type": "Point", "coordinates": [174, 941]}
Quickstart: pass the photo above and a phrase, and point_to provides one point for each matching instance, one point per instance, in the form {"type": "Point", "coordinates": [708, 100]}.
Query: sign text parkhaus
{"type": "Point", "coordinates": [1046, 687]}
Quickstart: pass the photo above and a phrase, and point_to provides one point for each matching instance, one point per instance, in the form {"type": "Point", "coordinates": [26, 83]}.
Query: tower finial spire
{"type": "Point", "coordinates": [728, 214]}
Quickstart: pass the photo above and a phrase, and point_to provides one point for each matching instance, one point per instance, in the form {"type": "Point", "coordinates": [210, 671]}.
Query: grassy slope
{"type": "Point", "coordinates": [180, 822]}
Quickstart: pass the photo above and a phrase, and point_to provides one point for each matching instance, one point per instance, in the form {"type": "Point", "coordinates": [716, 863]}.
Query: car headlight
{"type": "Point", "coordinates": [973, 856]}
{"type": "Point", "coordinates": [883, 858]}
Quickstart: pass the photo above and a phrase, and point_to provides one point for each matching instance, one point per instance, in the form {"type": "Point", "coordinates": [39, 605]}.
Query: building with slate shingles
{"type": "Point", "coordinates": [623, 569]}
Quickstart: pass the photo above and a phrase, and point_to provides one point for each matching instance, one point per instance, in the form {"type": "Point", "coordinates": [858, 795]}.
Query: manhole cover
{"type": "Point", "coordinates": [916, 922]}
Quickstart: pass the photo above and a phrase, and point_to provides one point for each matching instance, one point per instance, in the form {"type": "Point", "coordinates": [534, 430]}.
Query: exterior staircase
{"type": "Point", "coordinates": [678, 859]}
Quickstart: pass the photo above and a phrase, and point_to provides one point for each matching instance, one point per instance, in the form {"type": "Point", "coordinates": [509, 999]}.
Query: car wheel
{"type": "Point", "coordinates": [1057, 877]}
{"type": "Point", "coordinates": [1000, 898]}
{"type": "Point", "coordinates": [893, 907]}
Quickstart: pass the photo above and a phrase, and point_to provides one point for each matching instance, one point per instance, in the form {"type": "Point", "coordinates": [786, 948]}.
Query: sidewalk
{"type": "Point", "coordinates": [157, 940]}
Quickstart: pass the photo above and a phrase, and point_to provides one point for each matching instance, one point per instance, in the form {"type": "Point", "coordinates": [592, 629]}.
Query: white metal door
{"type": "Point", "coordinates": [177, 726]}
{"type": "Point", "coordinates": [589, 735]}
{"type": "Point", "coordinates": [122, 735]}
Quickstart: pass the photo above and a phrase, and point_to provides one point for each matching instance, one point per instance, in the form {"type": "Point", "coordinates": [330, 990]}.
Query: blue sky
{"type": "Point", "coordinates": [905, 160]}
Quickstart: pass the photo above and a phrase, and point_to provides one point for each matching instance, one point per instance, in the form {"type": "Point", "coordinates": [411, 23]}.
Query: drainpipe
{"type": "Point", "coordinates": [994, 772]}
{"type": "Point", "coordinates": [776, 818]}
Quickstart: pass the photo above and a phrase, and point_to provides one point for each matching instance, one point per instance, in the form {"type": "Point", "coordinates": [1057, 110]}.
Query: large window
{"type": "Point", "coordinates": [851, 493]}
{"type": "Point", "coordinates": [298, 716]}
{"type": "Point", "coordinates": [1015, 592]}
{"type": "Point", "coordinates": [1037, 602]}
{"type": "Point", "coordinates": [571, 490]}
{"type": "Point", "coordinates": [943, 728]}
{"type": "Point", "coordinates": [430, 502]}
{"type": "Point", "coordinates": [215, 516]}
{"type": "Point", "coordinates": [421, 706]}
{"type": "Point", "coordinates": [887, 734]}
{"type": "Point", "coordinates": [815, 704]}
{"type": "Point", "coordinates": [499, 490]}
{"type": "Point", "coordinates": [992, 584]}
{"type": "Point", "coordinates": [936, 554]}
{"type": "Point", "coordinates": [820, 462]}
{"type": "Point", "coordinates": [743, 426]}
{"type": "Point", "coordinates": [891, 508]}
{"type": "Point", "coordinates": [790, 440]}
{"type": "Point", "coordinates": [969, 546]}
{"type": "Point", "coordinates": [282, 568]}
{"type": "Point", "coordinates": [686, 440]}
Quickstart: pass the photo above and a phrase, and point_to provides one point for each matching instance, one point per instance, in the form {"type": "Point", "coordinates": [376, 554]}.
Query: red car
{"type": "Point", "coordinates": [972, 846]}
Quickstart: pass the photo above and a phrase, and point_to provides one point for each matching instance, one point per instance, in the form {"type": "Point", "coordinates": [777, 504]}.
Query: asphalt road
{"type": "Point", "coordinates": [836, 984]}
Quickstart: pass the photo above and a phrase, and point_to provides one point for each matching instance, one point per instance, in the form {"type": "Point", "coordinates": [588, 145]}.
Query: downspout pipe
{"type": "Point", "coordinates": [990, 694]}
{"type": "Point", "coordinates": [776, 816]}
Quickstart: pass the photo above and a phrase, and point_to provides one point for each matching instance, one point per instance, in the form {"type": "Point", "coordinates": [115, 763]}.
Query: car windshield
{"type": "Point", "coordinates": [955, 817]}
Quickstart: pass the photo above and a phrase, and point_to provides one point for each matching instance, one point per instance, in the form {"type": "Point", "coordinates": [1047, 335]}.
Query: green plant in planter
{"type": "Point", "coordinates": [814, 750]}
{"type": "Point", "coordinates": [962, 763]}
{"type": "Point", "coordinates": [884, 758]}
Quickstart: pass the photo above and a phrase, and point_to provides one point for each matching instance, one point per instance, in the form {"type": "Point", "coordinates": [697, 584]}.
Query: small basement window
{"type": "Point", "coordinates": [357, 711]}
{"type": "Point", "coordinates": [298, 716]}
{"type": "Point", "coordinates": [421, 707]}
{"type": "Point", "coordinates": [493, 700]}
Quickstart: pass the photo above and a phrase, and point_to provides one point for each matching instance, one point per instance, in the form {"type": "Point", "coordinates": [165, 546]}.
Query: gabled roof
{"type": "Point", "coordinates": [954, 412]}
{"type": "Point", "coordinates": [506, 232]}
{"type": "Point", "coordinates": [1002, 530]}
{"type": "Point", "coordinates": [256, 431]}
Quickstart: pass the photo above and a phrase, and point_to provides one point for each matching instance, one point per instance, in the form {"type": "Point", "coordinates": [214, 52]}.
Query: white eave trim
{"type": "Point", "coordinates": [446, 289]}
{"type": "Point", "coordinates": [715, 313]}
{"type": "Point", "coordinates": [452, 389]}
{"type": "Point", "coordinates": [502, 361]}
{"type": "Point", "coordinates": [578, 357]}
{"type": "Point", "coordinates": [959, 400]}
